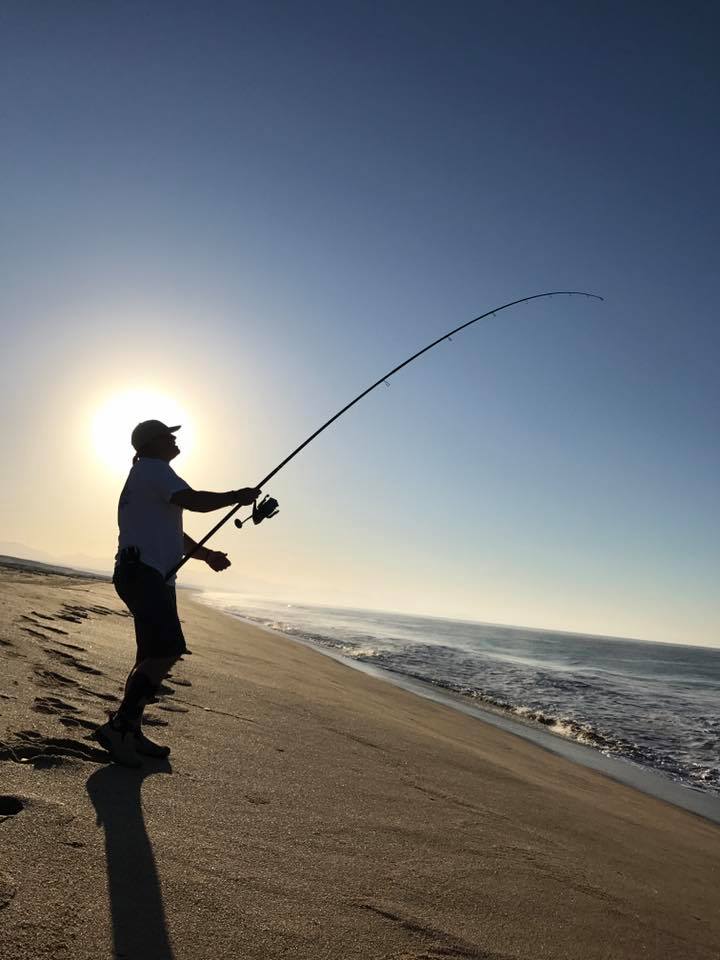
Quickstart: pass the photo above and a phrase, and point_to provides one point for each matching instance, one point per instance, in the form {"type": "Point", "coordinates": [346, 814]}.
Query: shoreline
{"type": "Point", "coordinates": [645, 779]}
{"type": "Point", "coordinates": [648, 781]}
{"type": "Point", "coordinates": [309, 811]}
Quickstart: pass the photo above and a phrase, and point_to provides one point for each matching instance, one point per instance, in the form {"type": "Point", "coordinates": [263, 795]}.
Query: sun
{"type": "Point", "coordinates": [113, 422]}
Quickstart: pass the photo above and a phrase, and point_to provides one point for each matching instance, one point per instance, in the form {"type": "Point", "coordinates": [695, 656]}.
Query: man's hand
{"type": "Point", "coordinates": [247, 495]}
{"type": "Point", "coordinates": [217, 560]}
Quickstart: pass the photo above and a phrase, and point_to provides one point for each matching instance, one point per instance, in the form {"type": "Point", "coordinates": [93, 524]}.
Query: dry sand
{"type": "Point", "coordinates": [308, 811]}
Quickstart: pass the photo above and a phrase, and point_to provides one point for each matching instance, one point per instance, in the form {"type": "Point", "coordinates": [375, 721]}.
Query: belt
{"type": "Point", "coordinates": [129, 555]}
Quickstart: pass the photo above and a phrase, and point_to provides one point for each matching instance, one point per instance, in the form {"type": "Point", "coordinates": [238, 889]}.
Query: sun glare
{"type": "Point", "coordinates": [113, 423]}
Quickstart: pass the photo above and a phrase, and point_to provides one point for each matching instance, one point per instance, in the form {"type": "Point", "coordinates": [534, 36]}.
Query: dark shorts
{"type": "Point", "coordinates": [152, 603]}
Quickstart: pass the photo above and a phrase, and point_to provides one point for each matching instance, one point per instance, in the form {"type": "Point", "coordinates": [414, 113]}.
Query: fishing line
{"type": "Point", "coordinates": [268, 507]}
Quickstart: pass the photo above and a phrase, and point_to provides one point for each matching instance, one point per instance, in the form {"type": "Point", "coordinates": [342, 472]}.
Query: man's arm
{"type": "Point", "coordinates": [214, 558]}
{"type": "Point", "coordinates": [201, 553]}
{"type": "Point", "coordinates": [203, 501]}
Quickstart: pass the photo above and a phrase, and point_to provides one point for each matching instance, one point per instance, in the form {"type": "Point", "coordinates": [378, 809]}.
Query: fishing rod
{"type": "Point", "coordinates": [268, 507]}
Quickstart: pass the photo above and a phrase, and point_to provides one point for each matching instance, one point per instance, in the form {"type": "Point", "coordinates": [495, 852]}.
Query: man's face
{"type": "Point", "coordinates": [163, 447]}
{"type": "Point", "coordinates": [170, 447]}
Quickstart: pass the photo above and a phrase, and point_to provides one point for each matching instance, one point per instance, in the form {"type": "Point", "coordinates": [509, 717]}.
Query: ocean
{"type": "Point", "coordinates": [656, 705]}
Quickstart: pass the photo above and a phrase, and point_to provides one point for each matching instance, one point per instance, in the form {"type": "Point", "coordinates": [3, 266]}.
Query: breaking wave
{"type": "Point", "coordinates": [651, 704]}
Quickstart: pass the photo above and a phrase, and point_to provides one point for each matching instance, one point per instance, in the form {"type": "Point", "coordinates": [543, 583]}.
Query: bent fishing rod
{"type": "Point", "coordinates": [268, 507]}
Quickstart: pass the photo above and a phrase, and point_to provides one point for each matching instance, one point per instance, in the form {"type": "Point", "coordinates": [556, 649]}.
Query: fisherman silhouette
{"type": "Point", "coordinates": [151, 541]}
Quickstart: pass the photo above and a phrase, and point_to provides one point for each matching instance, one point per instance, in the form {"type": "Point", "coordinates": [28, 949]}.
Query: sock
{"type": "Point", "coordinates": [138, 690]}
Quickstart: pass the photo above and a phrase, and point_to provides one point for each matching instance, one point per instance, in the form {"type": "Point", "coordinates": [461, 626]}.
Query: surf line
{"type": "Point", "coordinates": [268, 507]}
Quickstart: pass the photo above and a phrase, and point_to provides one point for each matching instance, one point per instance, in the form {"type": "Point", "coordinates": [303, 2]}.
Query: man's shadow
{"type": "Point", "coordinates": [136, 904]}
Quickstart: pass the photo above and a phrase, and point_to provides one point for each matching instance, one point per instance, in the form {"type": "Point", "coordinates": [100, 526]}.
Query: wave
{"type": "Point", "coordinates": [581, 731]}
{"type": "Point", "coordinates": [587, 707]}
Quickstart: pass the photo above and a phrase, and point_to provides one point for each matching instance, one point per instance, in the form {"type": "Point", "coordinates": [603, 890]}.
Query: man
{"type": "Point", "coordinates": [151, 542]}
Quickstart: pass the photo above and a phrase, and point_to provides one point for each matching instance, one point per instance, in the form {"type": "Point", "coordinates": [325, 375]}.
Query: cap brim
{"type": "Point", "coordinates": [173, 429]}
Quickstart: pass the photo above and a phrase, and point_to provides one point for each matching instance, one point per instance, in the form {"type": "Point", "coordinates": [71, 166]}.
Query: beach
{"type": "Point", "coordinates": [308, 810]}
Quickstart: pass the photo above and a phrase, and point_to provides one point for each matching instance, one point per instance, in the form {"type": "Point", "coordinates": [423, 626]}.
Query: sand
{"type": "Point", "coordinates": [308, 810]}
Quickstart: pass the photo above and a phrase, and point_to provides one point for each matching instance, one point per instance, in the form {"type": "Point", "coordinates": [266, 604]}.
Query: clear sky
{"type": "Point", "coordinates": [254, 210]}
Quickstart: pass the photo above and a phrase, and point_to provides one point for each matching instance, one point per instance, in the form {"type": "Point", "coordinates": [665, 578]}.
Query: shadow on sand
{"type": "Point", "coordinates": [136, 904]}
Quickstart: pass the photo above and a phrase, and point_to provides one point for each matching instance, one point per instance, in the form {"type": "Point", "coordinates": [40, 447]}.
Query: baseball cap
{"type": "Point", "coordinates": [149, 430]}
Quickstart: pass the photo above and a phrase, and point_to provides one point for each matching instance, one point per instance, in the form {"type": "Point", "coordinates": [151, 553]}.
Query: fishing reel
{"type": "Point", "coordinates": [267, 508]}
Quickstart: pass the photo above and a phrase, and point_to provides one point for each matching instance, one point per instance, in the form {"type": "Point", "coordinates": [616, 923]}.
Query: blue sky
{"type": "Point", "coordinates": [259, 208]}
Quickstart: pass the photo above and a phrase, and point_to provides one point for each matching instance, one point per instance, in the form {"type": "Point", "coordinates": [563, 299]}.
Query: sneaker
{"type": "Point", "coordinates": [147, 747]}
{"type": "Point", "coordinates": [119, 743]}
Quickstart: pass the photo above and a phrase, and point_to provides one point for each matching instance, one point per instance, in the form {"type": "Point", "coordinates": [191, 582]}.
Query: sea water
{"type": "Point", "coordinates": [654, 704]}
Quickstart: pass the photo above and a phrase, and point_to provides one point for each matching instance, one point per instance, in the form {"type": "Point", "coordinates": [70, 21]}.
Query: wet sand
{"type": "Point", "coordinates": [308, 810]}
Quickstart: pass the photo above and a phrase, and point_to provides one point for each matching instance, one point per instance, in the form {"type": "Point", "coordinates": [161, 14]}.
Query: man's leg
{"type": "Point", "coordinates": [122, 735]}
{"type": "Point", "coordinates": [159, 645]}
{"type": "Point", "coordinates": [140, 688]}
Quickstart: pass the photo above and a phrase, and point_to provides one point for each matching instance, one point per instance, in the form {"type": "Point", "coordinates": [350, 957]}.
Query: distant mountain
{"type": "Point", "coordinates": [95, 564]}
{"type": "Point", "coordinates": [11, 549]}
{"type": "Point", "coordinates": [23, 563]}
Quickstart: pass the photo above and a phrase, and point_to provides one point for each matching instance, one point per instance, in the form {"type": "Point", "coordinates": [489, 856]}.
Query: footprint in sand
{"type": "Point", "coordinates": [75, 611]}
{"type": "Point", "coordinates": [150, 721]}
{"type": "Point", "coordinates": [43, 626]}
{"type": "Point", "coordinates": [78, 610]}
{"type": "Point", "coordinates": [49, 678]}
{"type": "Point", "coordinates": [102, 611]}
{"type": "Point", "coordinates": [181, 683]}
{"type": "Point", "coordinates": [109, 697]}
{"type": "Point", "coordinates": [78, 722]}
{"type": "Point", "coordinates": [35, 633]}
{"type": "Point", "coordinates": [53, 705]}
{"type": "Point", "coordinates": [43, 752]}
{"type": "Point", "coordinates": [83, 611]}
{"type": "Point", "coordinates": [72, 661]}
{"type": "Point", "coordinates": [10, 806]}
{"type": "Point", "coordinates": [171, 708]}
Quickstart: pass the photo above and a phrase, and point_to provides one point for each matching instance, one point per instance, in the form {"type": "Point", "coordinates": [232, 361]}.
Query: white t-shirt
{"type": "Point", "coordinates": [146, 517]}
